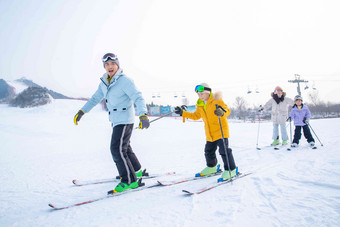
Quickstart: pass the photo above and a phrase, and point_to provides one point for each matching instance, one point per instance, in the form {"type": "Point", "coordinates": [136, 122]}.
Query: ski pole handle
{"type": "Point", "coordinates": [218, 106]}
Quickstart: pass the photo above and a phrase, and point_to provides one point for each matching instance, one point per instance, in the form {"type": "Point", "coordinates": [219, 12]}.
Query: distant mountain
{"type": "Point", "coordinates": [27, 82]}
{"type": "Point", "coordinates": [31, 97]}
{"type": "Point", "coordinates": [25, 93]}
{"type": "Point", "coordinates": [54, 94]}
{"type": "Point", "coordinates": [6, 92]}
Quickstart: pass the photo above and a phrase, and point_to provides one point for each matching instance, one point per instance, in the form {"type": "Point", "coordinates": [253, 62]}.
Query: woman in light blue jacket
{"type": "Point", "coordinates": [120, 95]}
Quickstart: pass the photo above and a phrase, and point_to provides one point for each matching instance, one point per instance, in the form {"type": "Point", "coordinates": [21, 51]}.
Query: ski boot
{"type": "Point", "coordinates": [124, 186]}
{"type": "Point", "coordinates": [284, 142]}
{"type": "Point", "coordinates": [312, 144]}
{"type": "Point", "coordinates": [208, 170]}
{"type": "Point", "coordinates": [275, 143]}
{"type": "Point", "coordinates": [141, 173]}
{"type": "Point", "coordinates": [226, 175]}
{"type": "Point", "coordinates": [294, 145]}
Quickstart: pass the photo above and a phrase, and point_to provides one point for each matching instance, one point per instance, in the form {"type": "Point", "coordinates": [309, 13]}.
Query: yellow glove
{"type": "Point", "coordinates": [144, 121]}
{"type": "Point", "coordinates": [78, 116]}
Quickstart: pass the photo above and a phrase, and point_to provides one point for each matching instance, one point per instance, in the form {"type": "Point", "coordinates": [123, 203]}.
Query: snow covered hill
{"type": "Point", "coordinates": [42, 151]}
{"type": "Point", "coordinates": [25, 93]}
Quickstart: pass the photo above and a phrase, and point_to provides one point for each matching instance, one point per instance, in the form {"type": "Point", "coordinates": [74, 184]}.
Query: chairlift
{"type": "Point", "coordinates": [306, 87]}
{"type": "Point", "coordinates": [249, 91]}
{"type": "Point", "coordinates": [314, 88]}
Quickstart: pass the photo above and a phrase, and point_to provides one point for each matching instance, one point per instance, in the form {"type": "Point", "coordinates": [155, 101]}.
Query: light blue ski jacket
{"type": "Point", "coordinates": [120, 96]}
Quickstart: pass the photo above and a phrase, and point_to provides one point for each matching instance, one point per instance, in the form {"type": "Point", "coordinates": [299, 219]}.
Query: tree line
{"type": "Point", "coordinates": [318, 108]}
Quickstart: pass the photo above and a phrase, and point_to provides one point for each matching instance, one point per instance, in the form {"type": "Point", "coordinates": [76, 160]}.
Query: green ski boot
{"type": "Point", "coordinates": [139, 173]}
{"type": "Point", "coordinates": [124, 186]}
{"type": "Point", "coordinates": [275, 143]}
{"type": "Point", "coordinates": [226, 175]}
{"type": "Point", "coordinates": [208, 171]}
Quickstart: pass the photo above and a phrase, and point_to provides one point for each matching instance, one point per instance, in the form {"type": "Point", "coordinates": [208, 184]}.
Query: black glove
{"type": "Point", "coordinates": [179, 110]}
{"type": "Point", "coordinates": [219, 112]}
{"type": "Point", "coordinates": [144, 121]}
{"type": "Point", "coordinates": [305, 120]}
{"type": "Point", "coordinates": [78, 116]}
{"type": "Point", "coordinates": [260, 108]}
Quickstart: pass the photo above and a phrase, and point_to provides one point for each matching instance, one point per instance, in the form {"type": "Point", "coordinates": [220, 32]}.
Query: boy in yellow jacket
{"type": "Point", "coordinates": [206, 109]}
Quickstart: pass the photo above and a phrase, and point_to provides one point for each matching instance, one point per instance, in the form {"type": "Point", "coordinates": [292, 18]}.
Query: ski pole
{"type": "Point", "coordinates": [157, 119]}
{"type": "Point", "coordinates": [313, 131]}
{"type": "Point", "coordinates": [224, 145]}
{"type": "Point", "coordinates": [258, 132]}
{"type": "Point", "coordinates": [160, 117]}
{"type": "Point", "coordinates": [290, 128]}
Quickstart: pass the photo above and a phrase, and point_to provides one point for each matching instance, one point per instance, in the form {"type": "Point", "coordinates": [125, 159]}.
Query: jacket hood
{"type": "Point", "coordinates": [283, 94]}
{"type": "Point", "coordinates": [218, 95]}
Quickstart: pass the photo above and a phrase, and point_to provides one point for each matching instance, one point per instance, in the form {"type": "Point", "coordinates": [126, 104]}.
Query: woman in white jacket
{"type": "Point", "coordinates": [279, 104]}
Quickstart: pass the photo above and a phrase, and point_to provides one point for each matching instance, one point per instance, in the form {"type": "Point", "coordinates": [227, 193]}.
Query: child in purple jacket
{"type": "Point", "coordinates": [301, 114]}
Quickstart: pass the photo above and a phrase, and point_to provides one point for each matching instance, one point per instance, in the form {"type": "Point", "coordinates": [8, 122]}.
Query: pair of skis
{"type": "Point", "coordinates": [56, 207]}
{"type": "Point", "coordinates": [279, 147]}
{"type": "Point", "coordinates": [157, 184]}
{"type": "Point", "coordinates": [110, 180]}
{"type": "Point", "coordinates": [145, 175]}
{"type": "Point", "coordinates": [215, 185]}
{"type": "Point", "coordinates": [293, 148]}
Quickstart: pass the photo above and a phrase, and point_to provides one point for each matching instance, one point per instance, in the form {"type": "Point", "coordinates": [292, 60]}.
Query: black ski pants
{"type": "Point", "coordinates": [122, 154]}
{"type": "Point", "coordinates": [306, 133]}
{"type": "Point", "coordinates": [210, 154]}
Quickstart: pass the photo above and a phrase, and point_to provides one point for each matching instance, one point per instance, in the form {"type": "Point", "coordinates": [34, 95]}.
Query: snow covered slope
{"type": "Point", "coordinates": [41, 152]}
{"type": "Point", "coordinates": [18, 86]}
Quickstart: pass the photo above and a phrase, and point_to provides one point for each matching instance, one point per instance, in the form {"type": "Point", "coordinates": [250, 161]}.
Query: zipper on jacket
{"type": "Point", "coordinates": [107, 85]}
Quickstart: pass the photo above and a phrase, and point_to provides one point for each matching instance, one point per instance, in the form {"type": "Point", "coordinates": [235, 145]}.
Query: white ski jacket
{"type": "Point", "coordinates": [279, 111]}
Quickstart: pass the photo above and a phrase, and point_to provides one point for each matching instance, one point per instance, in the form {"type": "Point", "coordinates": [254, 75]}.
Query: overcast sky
{"type": "Point", "coordinates": [170, 46]}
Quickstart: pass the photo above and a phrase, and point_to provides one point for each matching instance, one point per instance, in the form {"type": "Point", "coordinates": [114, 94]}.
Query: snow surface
{"type": "Point", "coordinates": [18, 86]}
{"type": "Point", "coordinates": [42, 151]}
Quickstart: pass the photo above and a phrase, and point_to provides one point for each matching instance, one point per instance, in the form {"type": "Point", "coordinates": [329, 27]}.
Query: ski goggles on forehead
{"type": "Point", "coordinates": [200, 88]}
{"type": "Point", "coordinates": [109, 56]}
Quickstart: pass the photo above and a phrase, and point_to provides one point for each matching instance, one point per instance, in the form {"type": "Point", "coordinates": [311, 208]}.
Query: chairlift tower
{"type": "Point", "coordinates": [298, 81]}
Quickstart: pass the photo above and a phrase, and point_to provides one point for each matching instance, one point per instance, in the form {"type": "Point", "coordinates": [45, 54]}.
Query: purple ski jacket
{"type": "Point", "coordinates": [298, 115]}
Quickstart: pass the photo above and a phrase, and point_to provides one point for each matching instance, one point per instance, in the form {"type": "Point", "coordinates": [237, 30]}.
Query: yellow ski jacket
{"type": "Point", "coordinates": [211, 122]}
